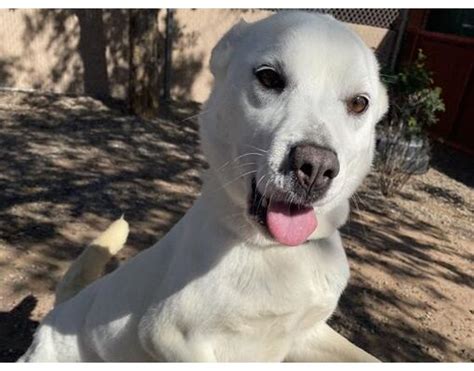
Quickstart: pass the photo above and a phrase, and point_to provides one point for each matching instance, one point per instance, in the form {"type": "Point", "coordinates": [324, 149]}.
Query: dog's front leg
{"type": "Point", "coordinates": [323, 344]}
{"type": "Point", "coordinates": [172, 345]}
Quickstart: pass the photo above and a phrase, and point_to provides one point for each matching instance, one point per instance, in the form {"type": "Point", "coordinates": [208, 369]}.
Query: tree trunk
{"type": "Point", "coordinates": [144, 87]}
{"type": "Point", "coordinates": [92, 51]}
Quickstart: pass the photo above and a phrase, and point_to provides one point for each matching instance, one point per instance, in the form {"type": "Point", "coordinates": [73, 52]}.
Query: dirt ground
{"type": "Point", "coordinates": [69, 166]}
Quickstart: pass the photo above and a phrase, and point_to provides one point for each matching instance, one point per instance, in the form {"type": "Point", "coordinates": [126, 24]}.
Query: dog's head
{"type": "Point", "coordinates": [289, 127]}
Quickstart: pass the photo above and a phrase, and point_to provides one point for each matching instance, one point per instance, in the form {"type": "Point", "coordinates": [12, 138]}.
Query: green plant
{"type": "Point", "coordinates": [403, 146]}
{"type": "Point", "coordinates": [415, 102]}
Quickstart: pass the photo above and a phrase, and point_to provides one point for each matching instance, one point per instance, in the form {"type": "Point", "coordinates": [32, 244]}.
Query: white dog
{"type": "Point", "coordinates": [255, 268]}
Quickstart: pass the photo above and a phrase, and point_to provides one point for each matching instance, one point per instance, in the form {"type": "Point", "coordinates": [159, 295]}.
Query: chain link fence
{"type": "Point", "coordinates": [382, 18]}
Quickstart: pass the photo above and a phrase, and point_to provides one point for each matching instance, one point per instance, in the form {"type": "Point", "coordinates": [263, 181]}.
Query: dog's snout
{"type": "Point", "coordinates": [313, 166]}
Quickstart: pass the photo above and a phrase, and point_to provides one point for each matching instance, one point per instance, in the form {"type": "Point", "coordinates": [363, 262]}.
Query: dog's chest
{"type": "Point", "coordinates": [274, 303]}
{"type": "Point", "coordinates": [249, 306]}
{"type": "Point", "coordinates": [285, 290]}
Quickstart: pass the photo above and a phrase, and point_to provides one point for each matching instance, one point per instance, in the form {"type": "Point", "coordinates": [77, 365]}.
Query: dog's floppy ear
{"type": "Point", "coordinates": [221, 53]}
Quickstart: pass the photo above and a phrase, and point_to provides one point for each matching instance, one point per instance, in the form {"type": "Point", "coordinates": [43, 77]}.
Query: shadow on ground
{"type": "Point", "coordinates": [17, 329]}
{"type": "Point", "coordinates": [453, 163]}
{"type": "Point", "coordinates": [413, 259]}
{"type": "Point", "coordinates": [90, 160]}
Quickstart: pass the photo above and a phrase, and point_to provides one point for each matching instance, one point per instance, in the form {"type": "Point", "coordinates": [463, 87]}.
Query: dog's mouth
{"type": "Point", "coordinates": [288, 223]}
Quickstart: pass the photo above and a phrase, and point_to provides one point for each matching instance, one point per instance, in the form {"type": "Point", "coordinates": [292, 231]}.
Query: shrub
{"type": "Point", "coordinates": [403, 145]}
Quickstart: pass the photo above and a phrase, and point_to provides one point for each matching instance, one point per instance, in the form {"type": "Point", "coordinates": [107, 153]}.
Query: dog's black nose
{"type": "Point", "coordinates": [313, 166]}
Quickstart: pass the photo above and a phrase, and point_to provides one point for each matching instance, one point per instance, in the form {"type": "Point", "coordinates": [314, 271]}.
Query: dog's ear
{"type": "Point", "coordinates": [221, 53]}
{"type": "Point", "coordinates": [382, 101]}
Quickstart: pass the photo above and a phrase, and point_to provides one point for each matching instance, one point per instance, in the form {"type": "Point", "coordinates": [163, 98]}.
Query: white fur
{"type": "Point", "coordinates": [90, 265]}
{"type": "Point", "coordinates": [216, 288]}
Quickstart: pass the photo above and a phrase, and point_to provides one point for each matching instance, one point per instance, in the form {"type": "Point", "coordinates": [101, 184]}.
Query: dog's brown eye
{"type": "Point", "coordinates": [358, 104]}
{"type": "Point", "coordinates": [270, 78]}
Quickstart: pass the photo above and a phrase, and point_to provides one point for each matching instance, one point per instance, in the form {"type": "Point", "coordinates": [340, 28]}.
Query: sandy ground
{"type": "Point", "coordinates": [69, 166]}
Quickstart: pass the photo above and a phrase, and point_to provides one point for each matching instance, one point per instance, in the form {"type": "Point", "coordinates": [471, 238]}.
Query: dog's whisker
{"type": "Point", "coordinates": [256, 188]}
{"type": "Point", "coordinates": [194, 116]}
{"type": "Point", "coordinates": [270, 199]}
{"type": "Point", "coordinates": [248, 154]}
{"type": "Point", "coordinates": [263, 194]}
{"type": "Point", "coordinates": [237, 178]}
{"type": "Point", "coordinates": [243, 225]}
{"type": "Point", "coordinates": [238, 166]}
{"type": "Point", "coordinates": [260, 180]}
{"type": "Point", "coordinates": [233, 216]}
{"type": "Point", "coordinates": [256, 148]}
{"type": "Point", "coordinates": [236, 159]}
{"type": "Point", "coordinates": [290, 198]}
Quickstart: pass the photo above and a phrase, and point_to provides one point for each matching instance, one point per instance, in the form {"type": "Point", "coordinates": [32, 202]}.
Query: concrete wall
{"type": "Point", "coordinates": [198, 30]}
{"type": "Point", "coordinates": [49, 50]}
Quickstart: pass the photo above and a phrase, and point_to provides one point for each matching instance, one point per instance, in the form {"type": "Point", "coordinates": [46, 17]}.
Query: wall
{"type": "Point", "coordinates": [42, 49]}
{"type": "Point", "coordinates": [49, 50]}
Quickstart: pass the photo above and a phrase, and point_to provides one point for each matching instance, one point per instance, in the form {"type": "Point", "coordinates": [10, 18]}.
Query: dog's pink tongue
{"type": "Point", "coordinates": [290, 226]}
